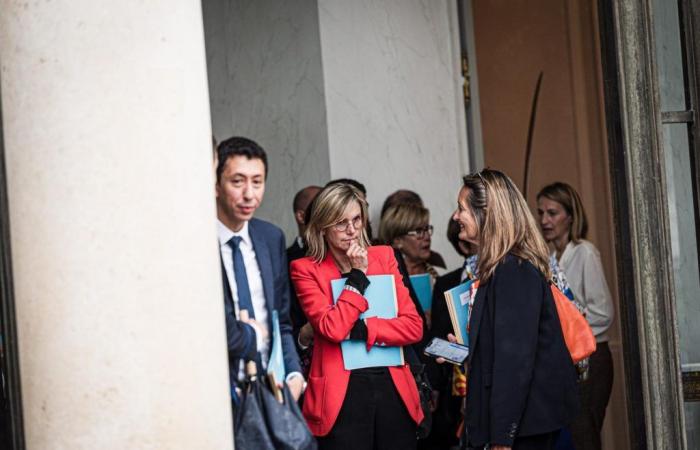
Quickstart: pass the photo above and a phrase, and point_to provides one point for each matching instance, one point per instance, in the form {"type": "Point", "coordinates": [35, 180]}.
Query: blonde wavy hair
{"type": "Point", "coordinates": [504, 222]}
{"type": "Point", "coordinates": [327, 210]}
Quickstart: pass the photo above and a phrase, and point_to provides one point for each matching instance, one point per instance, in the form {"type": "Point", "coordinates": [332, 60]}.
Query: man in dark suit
{"type": "Point", "coordinates": [254, 263]}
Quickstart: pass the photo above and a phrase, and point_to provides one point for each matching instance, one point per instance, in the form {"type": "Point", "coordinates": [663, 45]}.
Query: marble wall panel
{"type": "Point", "coordinates": [266, 83]}
{"type": "Point", "coordinates": [393, 100]}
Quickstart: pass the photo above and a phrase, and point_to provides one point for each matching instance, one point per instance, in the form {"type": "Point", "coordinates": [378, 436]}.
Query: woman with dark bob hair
{"type": "Point", "coordinates": [520, 376]}
{"type": "Point", "coordinates": [368, 408]}
{"type": "Point", "coordinates": [564, 225]}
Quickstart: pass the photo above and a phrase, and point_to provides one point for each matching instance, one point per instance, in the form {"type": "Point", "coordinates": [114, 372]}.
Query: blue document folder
{"type": "Point", "coordinates": [381, 297]}
{"type": "Point", "coordinates": [275, 366]}
{"type": "Point", "coordinates": [458, 299]}
{"type": "Point", "coordinates": [423, 286]}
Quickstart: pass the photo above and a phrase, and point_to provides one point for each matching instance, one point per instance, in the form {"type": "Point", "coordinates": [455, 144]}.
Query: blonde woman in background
{"type": "Point", "coordinates": [406, 227]}
{"type": "Point", "coordinates": [564, 225]}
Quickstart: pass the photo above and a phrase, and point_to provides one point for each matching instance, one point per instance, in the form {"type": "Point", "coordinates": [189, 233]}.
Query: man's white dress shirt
{"type": "Point", "coordinates": [252, 270]}
{"type": "Point", "coordinates": [255, 284]}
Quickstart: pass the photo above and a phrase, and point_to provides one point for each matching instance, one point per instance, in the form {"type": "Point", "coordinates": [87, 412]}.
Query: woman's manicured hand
{"type": "Point", "coordinates": [357, 255]}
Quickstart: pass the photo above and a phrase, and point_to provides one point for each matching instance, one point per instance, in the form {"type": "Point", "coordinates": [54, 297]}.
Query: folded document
{"type": "Point", "coordinates": [381, 297]}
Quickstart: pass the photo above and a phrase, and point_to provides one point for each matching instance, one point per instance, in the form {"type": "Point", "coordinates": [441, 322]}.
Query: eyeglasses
{"type": "Point", "coordinates": [343, 226]}
{"type": "Point", "coordinates": [421, 233]}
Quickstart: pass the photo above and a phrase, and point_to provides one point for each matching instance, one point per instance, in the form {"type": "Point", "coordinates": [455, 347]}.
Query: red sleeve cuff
{"type": "Point", "coordinates": [354, 299]}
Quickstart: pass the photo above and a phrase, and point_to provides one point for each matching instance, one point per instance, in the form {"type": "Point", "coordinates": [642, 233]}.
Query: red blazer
{"type": "Point", "coordinates": [328, 379]}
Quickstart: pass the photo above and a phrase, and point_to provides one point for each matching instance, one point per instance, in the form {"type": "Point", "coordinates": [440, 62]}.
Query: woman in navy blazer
{"type": "Point", "coordinates": [520, 377]}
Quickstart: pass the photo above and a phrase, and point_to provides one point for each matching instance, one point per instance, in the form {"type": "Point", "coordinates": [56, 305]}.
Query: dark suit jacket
{"type": "Point", "coordinates": [414, 355]}
{"type": "Point", "coordinates": [268, 242]}
{"type": "Point", "coordinates": [294, 251]}
{"type": "Point", "coordinates": [447, 416]}
{"type": "Point", "coordinates": [440, 316]}
{"type": "Point", "coordinates": [296, 314]}
{"type": "Point", "coordinates": [441, 374]}
{"type": "Point", "coordinates": [521, 378]}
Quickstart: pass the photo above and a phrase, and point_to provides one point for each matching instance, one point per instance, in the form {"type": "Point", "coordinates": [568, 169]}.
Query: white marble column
{"type": "Point", "coordinates": [116, 274]}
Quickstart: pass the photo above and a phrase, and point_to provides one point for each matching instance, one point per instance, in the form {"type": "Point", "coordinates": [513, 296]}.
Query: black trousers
{"type": "Point", "coordinates": [537, 442]}
{"type": "Point", "coordinates": [373, 416]}
{"type": "Point", "coordinates": [594, 393]}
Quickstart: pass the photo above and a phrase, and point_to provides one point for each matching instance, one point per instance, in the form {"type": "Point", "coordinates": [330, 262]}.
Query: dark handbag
{"type": "Point", "coordinates": [263, 423]}
{"type": "Point", "coordinates": [250, 430]}
{"type": "Point", "coordinates": [285, 424]}
{"type": "Point", "coordinates": [425, 391]}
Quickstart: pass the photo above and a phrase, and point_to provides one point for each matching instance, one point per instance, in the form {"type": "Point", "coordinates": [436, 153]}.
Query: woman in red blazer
{"type": "Point", "coordinates": [370, 408]}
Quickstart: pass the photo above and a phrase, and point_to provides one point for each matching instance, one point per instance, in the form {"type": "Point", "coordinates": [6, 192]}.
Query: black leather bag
{"type": "Point", "coordinates": [250, 429]}
{"type": "Point", "coordinates": [263, 423]}
{"type": "Point", "coordinates": [285, 424]}
{"type": "Point", "coordinates": [425, 391]}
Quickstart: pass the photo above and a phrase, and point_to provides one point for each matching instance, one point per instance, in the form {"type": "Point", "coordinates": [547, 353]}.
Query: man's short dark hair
{"type": "Point", "coordinates": [238, 146]}
{"type": "Point", "coordinates": [304, 197]}
{"type": "Point", "coordinates": [351, 182]}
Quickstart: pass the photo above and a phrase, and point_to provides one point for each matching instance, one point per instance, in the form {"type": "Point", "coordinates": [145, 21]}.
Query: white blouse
{"type": "Point", "coordinates": [584, 272]}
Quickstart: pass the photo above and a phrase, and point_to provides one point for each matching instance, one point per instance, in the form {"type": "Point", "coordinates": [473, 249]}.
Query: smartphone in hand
{"type": "Point", "coordinates": [452, 353]}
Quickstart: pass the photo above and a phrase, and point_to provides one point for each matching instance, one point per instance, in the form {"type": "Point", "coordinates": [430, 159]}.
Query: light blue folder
{"type": "Point", "coordinates": [458, 299]}
{"type": "Point", "coordinates": [381, 296]}
{"type": "Point", "coordinates": [423, 286]}
{"type": "Point", "coordinates": [275, 366]}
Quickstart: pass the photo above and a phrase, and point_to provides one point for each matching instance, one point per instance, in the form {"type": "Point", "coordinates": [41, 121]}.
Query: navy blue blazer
{"type": "Point", "coordinates": [270, 251]}
{"type": "Point", "coordinates": [521, 378]}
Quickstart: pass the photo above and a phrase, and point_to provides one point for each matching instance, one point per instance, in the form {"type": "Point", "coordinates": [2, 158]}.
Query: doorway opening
{"type": "Point", "coordinates": [543, 119]}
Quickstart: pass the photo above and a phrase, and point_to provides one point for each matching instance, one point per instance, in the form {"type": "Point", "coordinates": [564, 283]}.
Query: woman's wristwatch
{"type": "Point", "coordinates": [352, 289]}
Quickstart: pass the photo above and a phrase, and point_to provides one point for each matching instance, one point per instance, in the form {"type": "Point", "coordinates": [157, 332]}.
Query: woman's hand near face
{"type": "Point", "coordinates": [357, 255]}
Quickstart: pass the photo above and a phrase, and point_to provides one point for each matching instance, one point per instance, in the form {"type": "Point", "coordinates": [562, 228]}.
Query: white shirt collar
{"type": "Point", "coordinates": [225, 233]}
{"type": "Point", "coordinates": [300, 242]}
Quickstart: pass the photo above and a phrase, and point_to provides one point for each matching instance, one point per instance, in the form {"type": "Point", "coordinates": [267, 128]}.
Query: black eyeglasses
{"type": "Point", "coordinates": [421, 233]}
